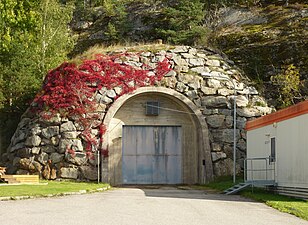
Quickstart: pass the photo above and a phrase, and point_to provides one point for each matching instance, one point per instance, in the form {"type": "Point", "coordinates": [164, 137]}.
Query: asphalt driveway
{"type": "Point", "coordinates": [135, 206]}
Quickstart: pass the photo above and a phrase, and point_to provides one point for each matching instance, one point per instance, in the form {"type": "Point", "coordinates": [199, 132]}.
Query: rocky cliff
{"type": "Point", "coordinates": [261, 40]}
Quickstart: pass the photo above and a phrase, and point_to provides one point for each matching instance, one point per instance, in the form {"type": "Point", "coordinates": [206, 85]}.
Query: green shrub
{"type": "Point", "coordinates": [180, 22]}
{"type": "Point", "coordinates": [288, 83]}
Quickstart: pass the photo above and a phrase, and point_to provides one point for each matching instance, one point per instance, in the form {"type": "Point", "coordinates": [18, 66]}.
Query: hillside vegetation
{"type": "Point", "coordinates": [266, 39]}
{"type": "Point", "coordinates": [270, 44]}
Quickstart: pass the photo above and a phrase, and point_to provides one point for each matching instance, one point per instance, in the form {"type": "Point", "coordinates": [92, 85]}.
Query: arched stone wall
{"type": "Point", "coordinates": [39, 145]}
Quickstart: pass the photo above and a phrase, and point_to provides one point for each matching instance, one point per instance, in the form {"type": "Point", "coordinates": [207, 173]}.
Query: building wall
{"type": "Point", "coordinates": [172, 112]}
{"type": "Point", "coordinates": [292, 152]}
{"type": "Point", "coordinates": [259, 146]}
{"type": "Point", "coordinates": [291, 149]}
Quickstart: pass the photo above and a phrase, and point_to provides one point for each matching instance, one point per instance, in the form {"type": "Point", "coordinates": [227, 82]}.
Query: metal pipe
{"type": "Point", "coordinates": [98, 166]}
{"type": "Point", "coordinates": [245, 170]}
{"type": "Point", "coordinates": [234, 134]}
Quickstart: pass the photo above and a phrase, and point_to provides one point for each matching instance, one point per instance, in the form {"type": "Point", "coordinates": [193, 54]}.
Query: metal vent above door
{"type": "Point", "coordinates": [152, 109]}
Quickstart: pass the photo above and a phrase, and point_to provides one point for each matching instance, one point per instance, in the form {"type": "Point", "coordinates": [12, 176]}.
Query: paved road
{"type": "Point", "coordinates": [133, 206]}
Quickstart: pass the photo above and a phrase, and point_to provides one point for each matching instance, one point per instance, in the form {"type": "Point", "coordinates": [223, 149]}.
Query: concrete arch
{"type": "Point", "coordinates": [205, 170]}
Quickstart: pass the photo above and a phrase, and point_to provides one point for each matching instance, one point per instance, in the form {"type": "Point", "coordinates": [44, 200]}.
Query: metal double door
{"type": "Point", "coordinates": [152, 155]}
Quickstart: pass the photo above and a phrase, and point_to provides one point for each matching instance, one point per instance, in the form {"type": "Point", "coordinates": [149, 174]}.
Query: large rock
{"type": "Point", "coordinates": [225, 92]}
{"type": "Point", "coordinates": [24, 152]}
{"type": "Point", "coordinates": [35, 150]}
{"type": "Point", "coordinates": [224, 168]}
{"type": "Point", "coordinates": [33, 141]}
{"type": "Point", "coordinates": [19, 136]}
{"type": "Point", "coordinates": [180, 49]}
{"type": "Point", "coordinates": [249, 91]}
{"type": "Point", "coordinates": [218, 155]}
{"type": "Point", "coordinates": [215, 121]}
{"type": "Point", "coordinates": [69, 173]}
{"type": "Point", "coordinates": [70, 135]}
{"type": "Point", "coordinates": [50, 131]}
{"type": "Point", "coordinates": [56, 157]}
{"type": "Point", "coordinates": [88, 172]}
{"type": "Point", "coordinates": [229, 122]}
{"type": "Point", "coordinates": [214, 83]}
{"type": "Point", "coordinates": [68, 126]}
{"type": "Point", "coordinates": [169, 82]}
{"type": "Point", "coordinates": [77, 145]}
{"type": "Point", "coordinates": [225, 135]}
{"type": "Point", "coordinates": [208, 91]}
{"type": "Point", "coordinates": [36, 130]}
{"type": "Point", "coordinates": [53, 173]}
{"type": "Point", "coordinates": [181, 87]}
{"type": "Point", "coordinates": [241, 122]}
{"type": "Point", "coordinates": [17, 146]}
{"type": "Point", "coordinates": [79, 158]}
{"type": "Point", "coordinates": [46, 172]}
{"type": "Point", "coordinates": [200, 70]}
{"type": "Point", "coordinates": [24, 121]}
{"type": "Point", "coordinates": [48, 149]}
{"type": "Point", "coordinates": [74, 144]}
{"type": "Point", "coordinates": [111, 94]}
{"type": "Point", "coordinates": [215, 102]}
{"type": "Point", "coordinates": [241, 144]}
{"type": "Point", "coordinates": [42, 158]}
{"type": "Point", "coordinates": [45, 118]}
{"type": "Point", "coordinates": [213, 62]}
{"type": "Point", "coordinates": [248, 112]}
{"type": "Point", "coordinates": [241, 101]}
{"type": "Point", "coordinates": [196, 62]}
{"type": "Point", "coordinates": [193, 94]}
{"type": "Point", "coordinates": [30, 165]}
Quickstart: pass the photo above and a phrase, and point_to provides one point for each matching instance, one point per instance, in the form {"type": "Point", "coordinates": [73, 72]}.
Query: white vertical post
{"type": "Point", "coordinates": [98, 166]}
{"type": "Point", "coordinates": [234, 134]}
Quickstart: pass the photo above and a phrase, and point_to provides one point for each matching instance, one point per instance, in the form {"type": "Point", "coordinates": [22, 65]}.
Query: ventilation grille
{"type": "Point", "coordinates": [152, 109]}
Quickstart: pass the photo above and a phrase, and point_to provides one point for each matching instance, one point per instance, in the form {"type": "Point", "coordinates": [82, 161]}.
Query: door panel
{"type": "Point", "coordinates": [129, 169]}
{"type": "Point", "coordinates": [152, 155]}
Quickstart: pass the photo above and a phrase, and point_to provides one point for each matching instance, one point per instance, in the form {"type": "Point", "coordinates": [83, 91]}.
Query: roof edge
{"type": "Point", "coordinates": [281, 115]}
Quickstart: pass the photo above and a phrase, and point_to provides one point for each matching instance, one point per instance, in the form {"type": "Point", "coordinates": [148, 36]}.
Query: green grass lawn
{"type": "Point", "coordinates": [282, 203]}
{"type": "Point", "coordinates": [286, 204]}
{"type": "Point", "coordinates": [48, 188]}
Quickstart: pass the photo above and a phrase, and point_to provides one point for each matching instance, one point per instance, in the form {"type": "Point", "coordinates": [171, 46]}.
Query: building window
{"type": "Point", "coordinates": [273, 150]}
{"type": "Point", "coordinates": [152, 109]}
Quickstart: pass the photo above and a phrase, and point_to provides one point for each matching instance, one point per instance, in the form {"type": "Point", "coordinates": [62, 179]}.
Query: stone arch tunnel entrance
{"type": "Point", "coordinates": [170, 147]}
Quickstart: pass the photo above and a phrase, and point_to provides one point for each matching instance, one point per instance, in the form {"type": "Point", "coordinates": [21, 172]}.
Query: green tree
{"type": "Point", "coordinates": [33, 45]}
{"type": "Point", "coordinates": [180, 22]}
{"type": "Point", "coordinates": [54, 41]}
{"type": "Point", "coordinates": [18, 19]}
{"type": "Point", "coordinates": [117, 23]}
{"type": "Point", "coordinates": [27, 59]}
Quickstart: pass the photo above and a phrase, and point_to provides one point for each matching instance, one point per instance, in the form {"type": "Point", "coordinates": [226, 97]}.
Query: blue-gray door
{"type": "Point", "coordinates": [152, 155]}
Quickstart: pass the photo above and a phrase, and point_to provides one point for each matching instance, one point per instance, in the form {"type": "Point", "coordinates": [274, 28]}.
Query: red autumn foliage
{"type": "Point", "coordinates": [70, 89]}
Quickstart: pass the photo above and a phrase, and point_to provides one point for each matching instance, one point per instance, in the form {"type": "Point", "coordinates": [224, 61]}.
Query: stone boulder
{"type": "Point", "coordinates": [215, 102]}
{"type": "Point", "coordinates": [69, 173]}
{"type": "Point", "coordinates": [88, 172]}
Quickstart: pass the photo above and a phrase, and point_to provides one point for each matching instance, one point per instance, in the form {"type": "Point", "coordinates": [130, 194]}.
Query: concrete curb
{"type": "Point", "coordinates": [80, 192]}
